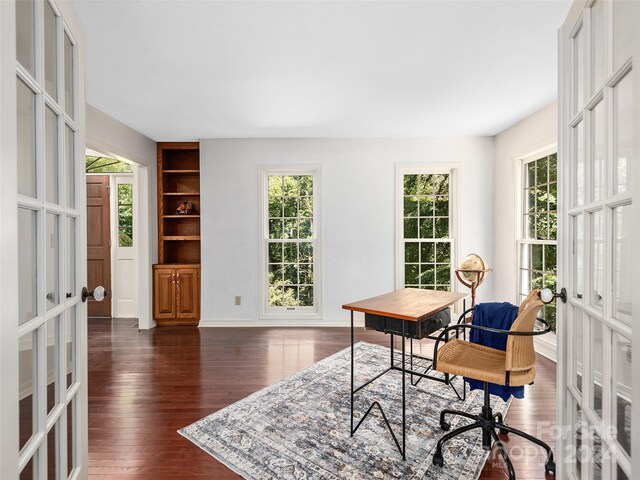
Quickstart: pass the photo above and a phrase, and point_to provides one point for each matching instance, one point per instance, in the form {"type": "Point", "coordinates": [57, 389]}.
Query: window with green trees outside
{"type": "Point", "coordinates": [427, 231]}
{"type": "Point", "coordinates": [125, 215]}
{"type": "Point", "coordinates": [290, 241]}
{"type": "Point", "coordinates": [538, 244]}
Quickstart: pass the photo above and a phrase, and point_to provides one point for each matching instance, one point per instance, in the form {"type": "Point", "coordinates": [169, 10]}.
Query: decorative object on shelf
{"type": "Point", "coordinates": [186, 207]}
{"type": "Point", "coordinates": [471, 273]}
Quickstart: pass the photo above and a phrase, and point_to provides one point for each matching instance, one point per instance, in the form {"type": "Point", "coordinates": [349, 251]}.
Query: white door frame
{"type": "Point", "coordinates": [142, 231]}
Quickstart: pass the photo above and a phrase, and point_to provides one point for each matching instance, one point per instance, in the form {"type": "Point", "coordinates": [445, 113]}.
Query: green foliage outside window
{"type": "Point", "coordinates": [106, 165]}
{"type": "Point", "coordinates": [540, 200]}
{"type": "Point", "coordinates": [426, 215]}
{"type": "Point", "coordinates": [290, 229]}
{"type": "Point", "coordinates": [125, 215]}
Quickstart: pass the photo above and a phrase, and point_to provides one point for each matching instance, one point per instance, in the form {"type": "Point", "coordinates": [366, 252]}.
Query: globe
{"type": "Point", "coordinates": [471, 262]}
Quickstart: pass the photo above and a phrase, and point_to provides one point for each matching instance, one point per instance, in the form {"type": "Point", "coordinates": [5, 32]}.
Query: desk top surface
{"type": "Point", "coordinates": [411, 304]}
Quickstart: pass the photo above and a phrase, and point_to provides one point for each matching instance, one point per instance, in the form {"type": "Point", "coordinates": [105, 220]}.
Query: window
{"type": "Point", "coordinates": [125, 215]}
{"type": "Point", "coordinates": [539, 226]}
{"type": "Point", "coordinates": [290, 252]}
{"type": "Point", "coordinates": [426, 239]}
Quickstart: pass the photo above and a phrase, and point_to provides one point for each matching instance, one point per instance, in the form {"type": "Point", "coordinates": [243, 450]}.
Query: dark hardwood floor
{"type": "Point", "coordinates": [145, 385]}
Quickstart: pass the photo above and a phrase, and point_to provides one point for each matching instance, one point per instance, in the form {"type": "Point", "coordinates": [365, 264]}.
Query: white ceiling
{"type": "Point", "coordinates": [182, 70]}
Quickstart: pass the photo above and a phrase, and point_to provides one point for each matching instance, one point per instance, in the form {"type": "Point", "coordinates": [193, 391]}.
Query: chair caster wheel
{"type": "Point", "coordinates": [550, 467]}
{"type": "Point", "coordinates": [445, 426]}
{"type": "Point", "coordinates": [438, 461]}
{"type": "Point", "coordinates": [504, 432]}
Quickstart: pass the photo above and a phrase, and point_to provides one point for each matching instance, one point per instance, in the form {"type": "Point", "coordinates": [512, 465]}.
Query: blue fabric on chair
{"type": "Point", "coordinates": [499, 315]}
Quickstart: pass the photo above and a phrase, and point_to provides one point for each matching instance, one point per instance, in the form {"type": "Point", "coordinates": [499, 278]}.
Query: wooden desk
{"type": "Point", "coordinates": [407, 305]}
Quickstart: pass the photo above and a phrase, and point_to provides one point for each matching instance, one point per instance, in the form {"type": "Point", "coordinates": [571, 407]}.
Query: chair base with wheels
{"type": "Point", "coordinates": [490, 424]}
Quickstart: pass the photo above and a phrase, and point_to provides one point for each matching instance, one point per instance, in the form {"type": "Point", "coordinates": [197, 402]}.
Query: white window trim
{"type": "Point", "coordinates": [290, 313]}
{"type": "Point", "coordinates": [544, 344]}
{"type": "Point", "coordinates": [453, 170]}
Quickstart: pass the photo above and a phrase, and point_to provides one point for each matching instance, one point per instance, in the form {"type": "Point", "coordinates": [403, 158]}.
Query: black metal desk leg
{"type": "Point", "coordinates": [352, 368]}
{"type": "Point", "coordinates": [404, 449]}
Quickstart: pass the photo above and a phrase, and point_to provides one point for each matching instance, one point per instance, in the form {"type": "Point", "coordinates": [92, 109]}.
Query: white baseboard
{"type": "Point", "coordinates": [546, 347]}
{"type": "Point", "coordinates": [280, 322]}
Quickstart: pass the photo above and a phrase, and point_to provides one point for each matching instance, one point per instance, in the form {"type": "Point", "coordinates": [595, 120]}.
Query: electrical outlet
{"type": "Point", "coordinates": [238, 299]}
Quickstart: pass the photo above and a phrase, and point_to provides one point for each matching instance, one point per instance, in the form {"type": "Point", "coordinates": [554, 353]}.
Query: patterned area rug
{"type": "Point", "coordinates": [298, 428]}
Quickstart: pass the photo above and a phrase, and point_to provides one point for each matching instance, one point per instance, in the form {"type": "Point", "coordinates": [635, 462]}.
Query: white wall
{"type": "Point", "coordinates": [111, 137]}
{"type": "Point", "coordinates": [536, 132]}
{"type": "Point", "coordinates": [357, 214]}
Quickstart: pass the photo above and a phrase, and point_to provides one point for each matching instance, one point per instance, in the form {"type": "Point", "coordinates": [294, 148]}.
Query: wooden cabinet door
{"type": "Point", "coordinates": [164, 293]}
{"type": "Point", "coordinates": [188, 292]}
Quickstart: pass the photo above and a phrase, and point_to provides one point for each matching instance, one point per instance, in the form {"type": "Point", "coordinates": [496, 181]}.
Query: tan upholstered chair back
{"type": "Point", "coordinates": [520, 352]}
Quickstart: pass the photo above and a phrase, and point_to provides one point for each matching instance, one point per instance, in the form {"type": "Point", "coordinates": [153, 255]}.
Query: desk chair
{"type": "Point", "coordinates": [513, 367]}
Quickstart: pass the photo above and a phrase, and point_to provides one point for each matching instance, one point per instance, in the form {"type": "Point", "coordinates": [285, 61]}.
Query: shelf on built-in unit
{"type": "Point", "coordinates": [181, 171]}
{"type": "Point", "coordinates": [181, 216]}
{"type": "Point", "coordinates": [186, 194]}
{"type": "Point", "coordinates": [181, 237]}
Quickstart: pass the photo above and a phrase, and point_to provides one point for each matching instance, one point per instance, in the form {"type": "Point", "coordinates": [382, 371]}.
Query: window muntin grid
{"type": "Point", "coordinates": [426, 231]}
{"type": "Point", "coordinates": [290, 250]}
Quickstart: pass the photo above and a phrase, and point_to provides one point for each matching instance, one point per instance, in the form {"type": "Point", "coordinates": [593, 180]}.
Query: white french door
{"type": "Point", "coordinates": [599, 129]}
{"type": "Point", "coordinates": [43, 349]}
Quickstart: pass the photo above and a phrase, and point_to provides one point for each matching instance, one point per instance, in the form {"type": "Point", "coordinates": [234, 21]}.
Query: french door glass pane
{"type": "Point", "coordinates": [51, 453]}
{"type": "Point", "coordinates": [27, 472]}
{"type": "Point", "coordinates": [597, 259]}
{"type": "Point", "coordinates": [596, 365]}
{"type": "Point", "coordinates": [52, 362]}
{"type": "Point", "coordinates": [579, 164]}
{"type": "Point", "coordinates": [578, 265]}
{"type": "Point", "coordinates": [623, 135]}
{"type": "Point", "coordinates": [71, 258]}
{"type": "Point", "coordinates": [596, 462]}
{"type": "Point", "coordinates": [622, 31]}
{"type": "Point", "coordinates": [597, 44]}
{"type": "Point", "coordinates": [619, 474]}
{"type": "Point", "coordinates": [52, 248]}
{"type": "Point", "coordinates": [69, 149]}
{"type": "Point", "coordinates": [51, 155]}
{"type": "Point", "coordinates": [579, 53]}
{"type": "Point", "coordinates": [28, 381]}
{"type": "Point", "coordinates": [577, 323]}
{"type": "Point", "coordinates": [26, 35]}
{"type": "Point", "coordinates": [622, 260]}
{"type": "Point", "coordinates": [26, 125]}
{"type": "Point", "coordinates": [50, 52]}
{"type": "Point", "coordinates": [71, 455]}
{"type": "Point", "coordinates": [71, 345]}
{"type": "Point", "coordinates": [597, 154]}
{"type": "Point", "coordinates": [68, 77]}
{"type": "Point", "coordinates": [621, 401]}
{"type": "Point", "coordinates": [27, 265]}
{"type": "Point", "coordinates": [582, 456]}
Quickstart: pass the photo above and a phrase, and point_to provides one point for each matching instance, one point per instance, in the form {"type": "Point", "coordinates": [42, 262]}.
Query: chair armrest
{"type": "Point", "coordinates": [459, 326]}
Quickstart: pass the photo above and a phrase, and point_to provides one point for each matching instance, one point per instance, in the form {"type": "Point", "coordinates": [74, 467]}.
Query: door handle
{"type": "Point", "coordinates": [97, 293]}
{"type": "Point", "coordinates": [547, 295]}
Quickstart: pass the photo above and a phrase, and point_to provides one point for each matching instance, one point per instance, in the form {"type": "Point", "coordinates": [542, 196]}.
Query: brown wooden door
{"type": "Point", "coordinates": [98, 243]}
{"type": "Point", "coordinates": [164, 292]}
{"type": "Point", "coordinates": [187, 292]}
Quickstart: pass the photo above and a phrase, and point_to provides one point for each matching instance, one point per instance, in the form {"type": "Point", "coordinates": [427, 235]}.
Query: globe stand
{"type": "Point", "coordinates": [472, 284]}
